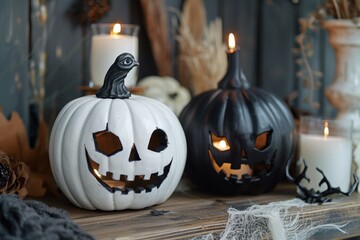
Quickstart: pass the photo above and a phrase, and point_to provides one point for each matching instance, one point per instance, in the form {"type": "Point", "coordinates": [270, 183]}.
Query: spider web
{"type": "Point", "coordinates": [271, 221]}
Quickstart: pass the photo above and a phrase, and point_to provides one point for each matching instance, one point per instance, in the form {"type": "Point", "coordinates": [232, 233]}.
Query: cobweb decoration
{"type": "Point", "coordinates": [271, 221]}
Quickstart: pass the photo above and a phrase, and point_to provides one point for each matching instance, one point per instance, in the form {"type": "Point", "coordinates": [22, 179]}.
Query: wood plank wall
{"type": "Point", "coordinates": [14, 45]}
{"type": "Point", "coordinates": [266, 30]}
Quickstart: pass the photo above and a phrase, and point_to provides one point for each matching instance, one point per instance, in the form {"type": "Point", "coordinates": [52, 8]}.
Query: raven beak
{"type": "Point", "coordinates": [136, 63]}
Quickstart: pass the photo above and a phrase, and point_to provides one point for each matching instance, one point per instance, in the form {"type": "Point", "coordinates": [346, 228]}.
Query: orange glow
{"type": "Point", "coordinates": [232, 44]}
{"type": "Point", "coordinates": [220, 143]}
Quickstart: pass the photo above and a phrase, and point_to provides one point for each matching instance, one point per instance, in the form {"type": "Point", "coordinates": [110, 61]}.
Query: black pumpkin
{"type": "Point", "coordinates": [239, 138]}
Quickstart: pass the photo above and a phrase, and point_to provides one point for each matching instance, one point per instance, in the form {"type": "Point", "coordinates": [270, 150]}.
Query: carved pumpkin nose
{"type": "Point", "coordinates": [134, 155]}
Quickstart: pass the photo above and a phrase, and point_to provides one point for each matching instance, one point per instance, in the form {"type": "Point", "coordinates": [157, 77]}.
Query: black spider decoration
{"type": "Point", "coordinates": [312, 196]}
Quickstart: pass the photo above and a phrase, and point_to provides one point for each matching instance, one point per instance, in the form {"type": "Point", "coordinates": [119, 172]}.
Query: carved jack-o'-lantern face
{"type": "Point", "coordinates": [239, 137]}
{"type": "Point", "coordinates": [109, 144]}
{"type": "Point", "coordinates": [239, 168]}
{"type": "Point", "coordinates": [114, 154]}
{"type": "Point", "coordinates": [115, 151]}
{"type": "Point", "coordinates": [238, 142]}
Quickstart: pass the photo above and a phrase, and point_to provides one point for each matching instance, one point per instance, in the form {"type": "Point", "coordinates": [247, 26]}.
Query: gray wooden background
{"type": "Point", "coordinates": [266, 30]}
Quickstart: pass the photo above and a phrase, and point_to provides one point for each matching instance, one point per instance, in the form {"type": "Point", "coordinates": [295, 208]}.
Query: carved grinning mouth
{"type": "Point", "coordinates": [246, 172]}
{"type": "Point", "coordinates": [137, 185]}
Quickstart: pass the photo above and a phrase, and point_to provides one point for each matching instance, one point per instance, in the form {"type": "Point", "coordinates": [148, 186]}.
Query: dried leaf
{"type": "Point", "coordinates": [299, 61]}
{"type": "Point", "coordinates": [318, 74]}
{"type": "Point", "coordinates": [194, 16]}
{"type": "Point", "coordinates": [13, 141]}
{"type": "Point", "coordinates": [317, 84]}
{"type": "Point", "coordinates": [309, 53]}
{"type": "Point", "coordinates": [295, 51]}
{"type": "Point", "coordinates": [299, 74]}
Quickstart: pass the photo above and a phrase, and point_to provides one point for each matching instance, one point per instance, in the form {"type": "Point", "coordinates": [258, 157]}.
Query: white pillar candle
{"type": "Point", "coordinates": [332, 155]}
{"type": "Point", "coordinates": [104, 50]}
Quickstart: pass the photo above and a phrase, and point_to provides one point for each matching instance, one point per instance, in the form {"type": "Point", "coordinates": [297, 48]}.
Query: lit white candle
{"type": "Point", "coordinates": [105, 48]}
{"type": "Point", "coordinates": [331, 154]}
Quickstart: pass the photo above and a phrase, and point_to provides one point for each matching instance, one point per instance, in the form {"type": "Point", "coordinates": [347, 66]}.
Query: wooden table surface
{"type": "Point", "coordinates": [188, 213]}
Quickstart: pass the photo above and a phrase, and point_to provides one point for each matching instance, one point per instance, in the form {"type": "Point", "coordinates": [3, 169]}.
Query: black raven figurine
{"type": "Point", "coordinates": [113, 86]}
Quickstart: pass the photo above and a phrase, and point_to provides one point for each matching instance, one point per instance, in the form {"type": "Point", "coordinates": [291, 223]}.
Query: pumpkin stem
{"type": "Point", "coordinates": [114, 86]}
{"type": "Point", "coordinates": [234, 77]}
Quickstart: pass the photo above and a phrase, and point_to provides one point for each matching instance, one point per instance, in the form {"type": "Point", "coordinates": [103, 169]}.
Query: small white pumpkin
{"type": "Point", "coordinates": [113, 151]}
{"type": "Point", "coordinates": [166, 90]}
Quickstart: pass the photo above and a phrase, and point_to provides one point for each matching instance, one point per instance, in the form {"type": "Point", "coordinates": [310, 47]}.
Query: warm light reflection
{"type": "Point", "coordinates": [326, 129]}
{"type": "Point", "coordinates": [97, 173]}
{"type": "Point", "coordinates": [116, 29]}
{"type": "Point", "coordinates": [232, 44]}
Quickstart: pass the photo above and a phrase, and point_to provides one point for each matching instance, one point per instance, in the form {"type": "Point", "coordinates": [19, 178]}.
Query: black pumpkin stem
{"type": "Point", "coordinates": [114, 86]}
{"type": "Point", "coordinates": [234, 77]}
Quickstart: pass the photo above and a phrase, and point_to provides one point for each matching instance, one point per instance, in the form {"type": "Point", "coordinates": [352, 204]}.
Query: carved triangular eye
{"type": "Point", "coordinates": [158, 141]}
{"type": "Point", "coordinates": [263, 140]}
{"type": "Point", "coordinates": [107, 142]}
{"type": "Point", "coordinates": [220, 143]}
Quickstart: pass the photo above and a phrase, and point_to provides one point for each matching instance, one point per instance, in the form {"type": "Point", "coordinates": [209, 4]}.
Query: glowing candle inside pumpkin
{"type": "Point", "coordinates": [221, 144]}
{"type": "Point", "coordinates": [109, 41]}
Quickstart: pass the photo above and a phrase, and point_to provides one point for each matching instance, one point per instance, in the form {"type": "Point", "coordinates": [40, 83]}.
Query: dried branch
{"type": "Point", "coordinates": [338, 9]}
{"type": "Point", "coordinates": [341, 9]}
{"type": "Point", "coordinates": [156, 24]}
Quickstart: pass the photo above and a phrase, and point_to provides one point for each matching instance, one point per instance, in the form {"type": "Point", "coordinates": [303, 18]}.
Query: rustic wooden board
{"type": "Point", "coordinates": [191, 213]}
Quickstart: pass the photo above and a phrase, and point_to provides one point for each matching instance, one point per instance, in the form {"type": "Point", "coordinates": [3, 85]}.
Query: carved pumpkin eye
{"type": "Point", "coordinates": [220, 143]}
{"type": "Point", "coordinates": [263, 140]}
{"type": "Point", "coordinates": [158, 141]}
{"type": "Point", "coordinates": [107, 142]}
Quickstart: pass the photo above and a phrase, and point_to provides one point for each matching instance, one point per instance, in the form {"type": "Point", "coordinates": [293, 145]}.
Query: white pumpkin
{"type": "Point", "coordinates": [113, 154]}
{"type": "Point", "coordinates": [166, 90]}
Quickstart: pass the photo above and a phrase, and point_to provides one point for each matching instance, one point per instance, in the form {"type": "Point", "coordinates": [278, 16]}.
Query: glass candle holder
{"type": "Point", "coordinates": [326, 145]}
{"type": "Point", "coordinates": [108, 41]}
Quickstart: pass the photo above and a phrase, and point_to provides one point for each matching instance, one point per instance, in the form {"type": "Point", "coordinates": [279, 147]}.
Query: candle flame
{"type": "Point", "coordinates": [326, 129]}
{"type": "Point", "coordinates": [232, 42]}
{"type": "Point", "coordinates": [116, 29]}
